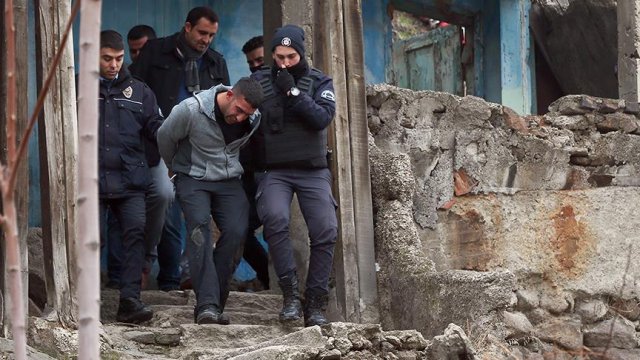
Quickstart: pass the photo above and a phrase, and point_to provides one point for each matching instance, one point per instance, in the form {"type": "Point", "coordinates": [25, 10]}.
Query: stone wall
{"type": "Point", "coordinates": [521, 226]}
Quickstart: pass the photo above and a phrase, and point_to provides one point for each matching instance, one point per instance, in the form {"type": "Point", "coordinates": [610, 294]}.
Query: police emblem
{"type": "Point", "coordinates": [329, 95]}
{"type": "Point", "coordinates": [286, 41]}
{"type": "Point", "coordinates": [127, 92]}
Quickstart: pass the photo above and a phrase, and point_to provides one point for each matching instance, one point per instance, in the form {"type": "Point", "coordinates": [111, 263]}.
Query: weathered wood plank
{"type": "Point", "coordinates": [4, 305]}
{"type": "Point", "coordinates": [70, 145]}
{"type": "Point", "coordinates": [22, 192]}
{"type": "Point", "coordinates": [332, 43]}
{"type": "Point", "coordinates": [628, 48]}
{"type": "Point", "coordinates": [517, 71]}
{"type": "Point", "coordinates": [52, 138]}
{"type": "Point", "coordinates": [361, 178]}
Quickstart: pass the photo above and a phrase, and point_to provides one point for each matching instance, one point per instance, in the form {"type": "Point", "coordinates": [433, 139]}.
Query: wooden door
{"type": "Point", "coordinates": [430, 61]}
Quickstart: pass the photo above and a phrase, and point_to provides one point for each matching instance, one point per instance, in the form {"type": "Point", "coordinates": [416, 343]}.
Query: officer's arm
{"type": "Point", "coordinates": [151, 113]}
{"type": "Point", "coordinates": [174, 128]}
{"type": "Point", "coordinates": [316, 111]}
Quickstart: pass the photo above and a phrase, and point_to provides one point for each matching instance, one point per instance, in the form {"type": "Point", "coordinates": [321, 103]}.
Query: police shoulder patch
{"type": "Point", "coordinates": [328, 94]}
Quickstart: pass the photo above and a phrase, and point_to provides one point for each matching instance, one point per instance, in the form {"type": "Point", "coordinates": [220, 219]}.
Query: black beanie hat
{"type": "Point", "coordinates": [289, 35]}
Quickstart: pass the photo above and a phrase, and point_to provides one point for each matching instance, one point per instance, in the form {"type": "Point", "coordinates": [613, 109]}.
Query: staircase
{"type": "Point", "coordinates": [254, 333]}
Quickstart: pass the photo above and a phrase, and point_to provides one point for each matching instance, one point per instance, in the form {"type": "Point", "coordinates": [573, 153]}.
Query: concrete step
{"type": "Point", "coordinates": [237, 302]}
{"type": "Point", "coordinates": [171, 315]}
{"type": "Point", "coordinates": [299, 343]}
{"type": "Point", "coordinates": [230, 336]}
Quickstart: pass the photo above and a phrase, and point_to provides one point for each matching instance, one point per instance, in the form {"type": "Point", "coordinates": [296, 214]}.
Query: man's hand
{"type": "Point", "coordinates": [284, 81]}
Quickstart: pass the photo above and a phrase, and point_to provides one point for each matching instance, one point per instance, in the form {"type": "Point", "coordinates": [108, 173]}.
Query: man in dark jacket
{"type": "Point", "coordinates": [174, 67]}
{"type": "Point", "coordinates": [290, 156]}
{"type": "Point", "coordinates": [128, 113]}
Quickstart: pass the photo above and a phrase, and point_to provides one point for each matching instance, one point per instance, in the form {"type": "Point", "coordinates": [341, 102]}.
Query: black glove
{"type": "Point", "coordinates": [284, 81]}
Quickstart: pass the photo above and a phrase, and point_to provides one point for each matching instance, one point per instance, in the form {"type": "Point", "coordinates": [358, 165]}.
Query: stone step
{"type": "Point", "coordinates": [230, 336]}
{"type": "Point", "coordinates": [238, 301]}
{"type": "Point", "coordinates": [301, 343]}
{"type": "Point", "coordinates": [212, 340]}
{"type": "Point", "coordinates": [171, 315]}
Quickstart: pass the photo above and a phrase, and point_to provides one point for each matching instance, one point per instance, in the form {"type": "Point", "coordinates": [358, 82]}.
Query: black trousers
{"type": "Point", "coordinates": [130, 213]}
{"type": "Point", "coordinates": [212, 267]}
{"type": "Point", "coordinates": [255, 255]}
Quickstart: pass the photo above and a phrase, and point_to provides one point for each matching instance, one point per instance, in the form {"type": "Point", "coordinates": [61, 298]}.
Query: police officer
{"type": "Point", "coordinates": [128, 113]}
{"type": "Point", "coordinates": [290, 149]}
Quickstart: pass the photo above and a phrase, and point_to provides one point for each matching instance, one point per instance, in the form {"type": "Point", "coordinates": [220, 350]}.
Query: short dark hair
{"type": "Point", "coordinates": [200, 12]}
{"type": "Point", "coordinates": [251, 91]}
{"type": "Point", "coordinates": [111, 39]}
{"type": "Point", "coordinates": [140, 31]}
{"type": "Point", "coordinates": [253, 43]}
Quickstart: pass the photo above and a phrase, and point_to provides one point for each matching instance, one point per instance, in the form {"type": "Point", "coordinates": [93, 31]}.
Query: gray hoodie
{"type": "Point", "coordinates": [191, 142]}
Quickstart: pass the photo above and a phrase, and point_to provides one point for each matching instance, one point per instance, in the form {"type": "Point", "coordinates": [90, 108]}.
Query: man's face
{"type": "Point", "coordinates": [238, 110]}
{"type": "Point", "coordinates": [110, 62]}
{"type": "Point", "coordinates": [200, 35]}
{"type": "Point", "coordinates": [285, 56]}
{"type": "Point", "coordinates": [135, 46]}
{"type": "Point", "coordinates": [255, 58]}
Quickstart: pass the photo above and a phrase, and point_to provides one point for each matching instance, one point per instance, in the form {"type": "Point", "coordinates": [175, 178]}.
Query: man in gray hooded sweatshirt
{"type": "Point", "coordinates": [200, 142]}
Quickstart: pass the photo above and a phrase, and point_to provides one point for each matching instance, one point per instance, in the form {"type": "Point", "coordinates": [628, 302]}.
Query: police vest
{"type": "Point", "coordinates": [285, 140]}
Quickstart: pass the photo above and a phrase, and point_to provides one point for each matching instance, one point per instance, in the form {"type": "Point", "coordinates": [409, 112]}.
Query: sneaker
{"type": "Point", "coordinates": [208, 315]}
{"type": "Point", "coordinates": [133, 311]}
{"type": "Point", "coordinates": [223, 319]}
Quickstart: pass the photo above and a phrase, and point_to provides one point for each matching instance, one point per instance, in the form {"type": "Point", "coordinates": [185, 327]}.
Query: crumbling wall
{"type": "Point", "coordinates": [523, 226]}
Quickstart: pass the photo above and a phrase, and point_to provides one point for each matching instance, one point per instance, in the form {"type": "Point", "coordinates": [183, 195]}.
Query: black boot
{"type": "Point", "coordinates": [133, 311]}
{"type": "Point", "coordinates": [291, 306]}
{"type": "Point", "coordinates": [314, 308]}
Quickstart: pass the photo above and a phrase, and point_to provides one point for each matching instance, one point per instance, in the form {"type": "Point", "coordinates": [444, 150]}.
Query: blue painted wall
{"type": "Point", "coordinates": [504, 71]}
{"type": "Point", "coordinates": [491, 51]}
{"type": "Point", "coordinates": [237, 25]}
{"type": "Point", "coordinates": [35, 220]}
{"type": "Point", "coordinates": [377, 40]}
{"type": "Point", "coordinates": [240, 20]}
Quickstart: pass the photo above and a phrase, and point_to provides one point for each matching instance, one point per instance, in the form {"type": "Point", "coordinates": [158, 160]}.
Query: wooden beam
{"type": "Point", "coordinates": [57, 137]}
{"type": "Point", "coordinates": [331, 41]}
{"type": "Point", "coordinates": [70, 145]}
{"type": "Point", "coordinates": [361, 178]}
{"type": "Point", "coordinates": [271, 20]}
{"type": "Point", "coordinates": [22, 192]}
{"type": "Point", "coordinates": [628, 50]}
{"type": "Point", "coordinates": [4, 305]}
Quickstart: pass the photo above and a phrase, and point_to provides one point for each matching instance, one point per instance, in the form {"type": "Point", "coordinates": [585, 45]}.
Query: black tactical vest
{"type": "Point", "coordinates": [284, 139]}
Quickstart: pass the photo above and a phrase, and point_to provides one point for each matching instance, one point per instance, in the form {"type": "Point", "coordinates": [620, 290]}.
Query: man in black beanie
{"type": "Point", "coordinates": [290, 156]}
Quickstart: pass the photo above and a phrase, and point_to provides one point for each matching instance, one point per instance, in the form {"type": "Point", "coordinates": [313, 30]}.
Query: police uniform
{"type": "Point", "coordinates": [128, 113]}
{"type": "Point", "coordinates": [290, 156]}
